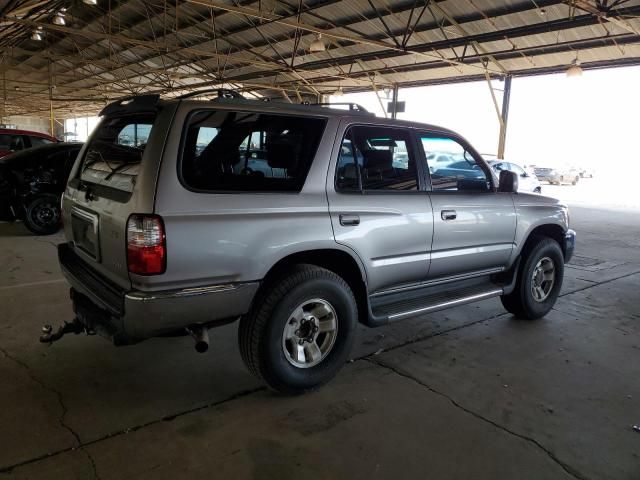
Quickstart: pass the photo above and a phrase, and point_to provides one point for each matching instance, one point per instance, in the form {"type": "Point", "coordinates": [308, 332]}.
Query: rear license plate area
{"type": "Point", "coordinates": [84, 226]}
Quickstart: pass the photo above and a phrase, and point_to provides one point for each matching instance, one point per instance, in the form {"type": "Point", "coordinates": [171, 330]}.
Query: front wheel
{"type": "Point", "coordinates": [539, 280]}
{"type": "Point", "coordinates": [42, 214]}
{"type": "Point", "coordinates": [300, 331]}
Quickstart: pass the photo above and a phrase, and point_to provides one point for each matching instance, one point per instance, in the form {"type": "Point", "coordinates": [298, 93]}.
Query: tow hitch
{"type": "Point", "coordinates": [75, 326]}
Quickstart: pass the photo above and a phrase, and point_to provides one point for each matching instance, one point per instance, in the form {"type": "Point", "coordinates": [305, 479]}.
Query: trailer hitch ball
{"type": "Point", "coordinates": [49, 336]}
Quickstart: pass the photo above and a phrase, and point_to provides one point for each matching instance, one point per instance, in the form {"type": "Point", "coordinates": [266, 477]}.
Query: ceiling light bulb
{"type": "Point", "coordinates": [90, 2]}
{"type": "Point", "coordinates": [575, 70]}
{"type": "Point", "coordinates": [36, 35]}
{"type": "Point", "coordinates": [317, 45]}
{"type": "Point", "coordinates": [58, 19]}
{"type": "Point", "coordinates": [338, 92]}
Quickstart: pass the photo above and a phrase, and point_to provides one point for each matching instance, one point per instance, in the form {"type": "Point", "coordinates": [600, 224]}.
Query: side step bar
{"type": "Point", "coordinates": [398, 306]}
{"type": "Point", "coordinates": [444, 304]}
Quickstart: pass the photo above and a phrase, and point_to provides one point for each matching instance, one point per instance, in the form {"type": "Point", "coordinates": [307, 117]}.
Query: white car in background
{"type": "Point", "coordinates": [527, 180]}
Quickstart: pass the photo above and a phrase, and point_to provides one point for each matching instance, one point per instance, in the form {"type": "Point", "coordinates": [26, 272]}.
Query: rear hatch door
{"type": "Point", "coordinates": [114, 176]}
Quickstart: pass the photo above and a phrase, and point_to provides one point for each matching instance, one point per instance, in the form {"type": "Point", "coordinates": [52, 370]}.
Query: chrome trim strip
{"type": "Point", "coordinates": [185, 292]}
{"type": "Point", "coordinates": [385, 261]}
{"type": "Point", "coordinates": [447, 304]}
{"type": "Point", "coordinates": [459, 252]}
{"type": "Point", "coordinates": [439, 281]}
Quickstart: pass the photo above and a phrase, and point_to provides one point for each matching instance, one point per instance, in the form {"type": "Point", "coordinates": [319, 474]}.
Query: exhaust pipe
{"type": "Point", "coordinates": [201, 337]}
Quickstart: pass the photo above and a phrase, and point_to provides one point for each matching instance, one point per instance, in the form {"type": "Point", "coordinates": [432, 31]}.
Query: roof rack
{"type": "Point", "coordinates": [353, 107]}
{"type": "Point", "coordinates": [222, 93]}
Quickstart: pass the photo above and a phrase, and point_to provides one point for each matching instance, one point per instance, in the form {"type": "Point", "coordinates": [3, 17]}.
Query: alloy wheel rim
{"type": "Point", "coordinates": [542, 279]}
{"type": "Point", "coordinates": [310, 333]}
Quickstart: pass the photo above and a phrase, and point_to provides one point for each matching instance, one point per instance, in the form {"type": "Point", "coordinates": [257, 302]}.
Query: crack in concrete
{"type": "Point", "coordinates": [166, 418]}
{"type": "Point", "coordinates": [63, 407]}
{"type": "Point", "coordinates": [566, 467]}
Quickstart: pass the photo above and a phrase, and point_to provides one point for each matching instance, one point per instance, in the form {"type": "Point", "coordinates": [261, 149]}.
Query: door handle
{"type": "Point", "coordinates": [349, 220]}
{"type": "Point", "coordinates": [448, 214]}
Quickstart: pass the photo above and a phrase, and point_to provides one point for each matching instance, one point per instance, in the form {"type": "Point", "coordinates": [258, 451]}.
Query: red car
{"type": "Point", "coordinates": [13, 140]}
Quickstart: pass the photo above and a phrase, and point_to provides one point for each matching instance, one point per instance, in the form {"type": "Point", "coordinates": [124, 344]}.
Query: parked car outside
{"type": "Point", "coordinates": [557, 175]}
{"type": "Point", "coordinates": [586, 172]}
{"type": "Point", "coordinates": [15, 140]}
{"type": "Point", "coordinates": [527, 182]}
{"type": "Point", "coordinates": [31, 183]}
{"type": "Point", "coordinates": [170, 237]}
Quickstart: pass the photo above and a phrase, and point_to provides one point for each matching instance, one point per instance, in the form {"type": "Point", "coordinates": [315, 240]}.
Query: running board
{"type": "Point", "coordinates": [439, 301]}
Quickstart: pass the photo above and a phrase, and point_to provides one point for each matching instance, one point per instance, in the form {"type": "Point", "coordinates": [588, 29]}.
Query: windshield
{"type": "Point", "coordinates": [114, 153]}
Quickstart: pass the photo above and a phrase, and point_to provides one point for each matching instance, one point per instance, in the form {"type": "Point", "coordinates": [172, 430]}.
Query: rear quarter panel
{"type": "Point", "coordinates": [217, 238]}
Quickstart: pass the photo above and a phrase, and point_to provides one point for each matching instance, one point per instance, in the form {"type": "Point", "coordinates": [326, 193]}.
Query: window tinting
{"type": "Point", "coordinates": [244, 151]}
{"type": "Point", "coordinates": [376, 158]}
{"type": "Point", "coordinates": [451, 166]}
{"type": "Point", "coordinates": [36, 141]}
{"type": "Point", "coordinates": [11, 142]}
{"type": "Point", "coordinates": [115, 151]}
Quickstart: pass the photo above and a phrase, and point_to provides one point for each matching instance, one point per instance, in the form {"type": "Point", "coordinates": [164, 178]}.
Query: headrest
{"type": "Point", "coordinates": [377, 159]}
{"type": "Point", "coordinates": [282, 153]}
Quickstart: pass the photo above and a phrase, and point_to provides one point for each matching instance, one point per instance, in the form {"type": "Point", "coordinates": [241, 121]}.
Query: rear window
{"type": "Point", "coordinates": [115, 150]}
{"type": "Point", "coordinates": [248, 152]}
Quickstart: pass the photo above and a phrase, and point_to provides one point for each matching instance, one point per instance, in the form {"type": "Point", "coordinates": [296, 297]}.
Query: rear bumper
{"type": "Point", "coordinates": [569, 245]}
{"type": "Point", "coordinates": [131, 316]}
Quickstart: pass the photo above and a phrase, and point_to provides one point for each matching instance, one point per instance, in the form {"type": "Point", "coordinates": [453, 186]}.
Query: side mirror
{"type": "Point", "coordinates": [508, 182]}
{"type": "Point", "coordinates": [524, 175]}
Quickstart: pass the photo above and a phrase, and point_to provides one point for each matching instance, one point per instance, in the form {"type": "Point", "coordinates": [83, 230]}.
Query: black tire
{"type": "Point", "coordinates": [42, 214]}
{"type": "Point", "coordinates": [260, 333]}
{"type": "Point", "coordinates": [575, 181]}
{"type": "Point", "coordinates": [521, 302]}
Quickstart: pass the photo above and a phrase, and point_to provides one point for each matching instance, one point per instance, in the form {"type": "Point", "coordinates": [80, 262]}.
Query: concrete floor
{"type": "Point", "coordinates": [466, 393]}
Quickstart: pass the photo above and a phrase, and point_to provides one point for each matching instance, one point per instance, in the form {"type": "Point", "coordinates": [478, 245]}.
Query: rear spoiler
{"type": "Point", "coordinates": [131, 104]}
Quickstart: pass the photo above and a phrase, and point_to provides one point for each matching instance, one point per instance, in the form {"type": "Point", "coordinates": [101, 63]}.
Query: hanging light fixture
{"type": "Point", "coordinates": [339, 92]}
{"type": "Point", "coordinates": [574, 70]}
{"type": "Point", "coordinates": [317, 45]}
{"type": "Point", "coordinates": [36, 35]}
{"type": "Point", "coordinates": [90, 2]}
{"type": "Point", "coordinates": [58, 19]}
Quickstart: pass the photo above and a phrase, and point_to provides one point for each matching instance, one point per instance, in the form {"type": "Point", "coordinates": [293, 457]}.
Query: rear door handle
{"type": "Point", "coordinates": [349, 220]}
{"type": "Point", "coordinates": [448, 214]}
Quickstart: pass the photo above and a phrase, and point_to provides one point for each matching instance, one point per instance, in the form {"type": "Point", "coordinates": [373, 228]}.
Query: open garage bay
{"type": "Point", "coordinates": [465, 393]}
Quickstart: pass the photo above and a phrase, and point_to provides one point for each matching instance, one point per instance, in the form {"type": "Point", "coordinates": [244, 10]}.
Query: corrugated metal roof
{"type": "Point", "coordinates": [263, 46]}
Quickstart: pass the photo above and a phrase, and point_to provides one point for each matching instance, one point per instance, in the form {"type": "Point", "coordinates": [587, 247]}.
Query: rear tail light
{"type": "Point", "coordinates": [146, 245]}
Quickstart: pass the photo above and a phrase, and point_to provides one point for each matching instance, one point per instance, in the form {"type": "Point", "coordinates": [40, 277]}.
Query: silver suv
{"type": "Point", "coordinates": [298, 220]}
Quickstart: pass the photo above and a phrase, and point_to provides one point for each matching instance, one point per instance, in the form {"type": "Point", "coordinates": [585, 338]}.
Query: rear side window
{"type": "Point", "coordinates": [114, 153]}
{"type": "Point", "coordinates": [248, 152]}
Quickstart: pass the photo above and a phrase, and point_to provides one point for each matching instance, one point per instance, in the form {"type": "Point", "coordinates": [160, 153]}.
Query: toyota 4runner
{"type": "Point", "coordinates": [300, 221]}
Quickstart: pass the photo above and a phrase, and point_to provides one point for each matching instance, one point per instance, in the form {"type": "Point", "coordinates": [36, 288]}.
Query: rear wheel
{"type": "Point", "coordinates": [575, 181]}
{"type": "Point", "coordinates": [539, 280]}
{"type": "Point", "coordinates": [300, 331]}
{"type": "Point", "coordinates": [42, 214]}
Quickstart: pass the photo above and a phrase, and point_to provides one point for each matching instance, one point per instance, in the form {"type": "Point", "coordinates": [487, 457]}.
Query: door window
{"type": "Point", "coordinates": [375, 158]}
{"type": "Point", "coordinates": [517, 169]}
{"type": "Point", "coordinates": [11, 142]}
{"type": "Point", "coordinates": [37, 141]}
{"type": "Point", "coordinates": [451, 166]}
